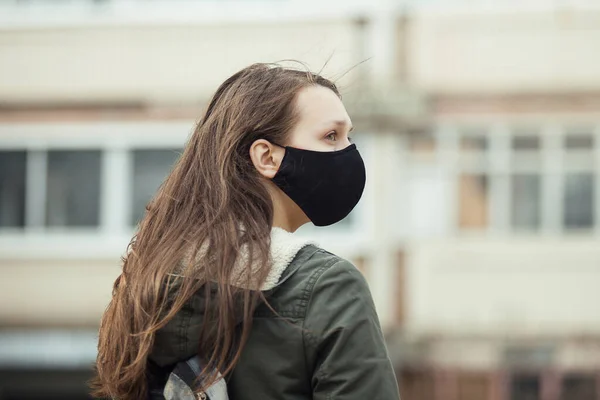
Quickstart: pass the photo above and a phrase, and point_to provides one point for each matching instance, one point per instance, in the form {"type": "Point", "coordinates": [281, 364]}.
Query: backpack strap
{"type": "Point", "coordinates": [182, 381]}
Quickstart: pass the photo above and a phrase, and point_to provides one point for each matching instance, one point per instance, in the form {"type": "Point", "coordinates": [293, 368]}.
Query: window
{"type": "Point", "coordinates": [63, 179]}
{"type": "Point", "coordinates": [55, 188]}
{"type": "Point", "coordinates": [579, 182]}
{"type": "Point", "coordinates": [473, 151]}
{"type": "Point", "coordinates": [474, 201]}
{"type": "Point", "coordinates": [525, 387]}
{"type": "Point", "coordinates": [526, 149]}
{"type": "Point", "coordinates": [508, 180]}
{"type": "Point", "coordinates": [73, 188]}
{"type": "Point", "coordinates": [525, 202]}
{"type": "Point", "coordinates": [526, 142]}
{"type": "Point", "coordinates": [12, 188]}
{"type": "Point", "coordinates": [474, 140]}
{"type": "Point", "coordinates": [578, 204]}
{"type": "Point", "coordinates": [579, 387]}
{"type": "Point", "coordinates": [150, 168]}
{"type": "Point", "coordinates": [579, 141]}
{"type": "Point", "coordinates": [528, 357]}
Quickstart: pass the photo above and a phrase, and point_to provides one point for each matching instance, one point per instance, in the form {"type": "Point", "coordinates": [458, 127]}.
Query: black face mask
{"type": "Point", "coordinates": [325, 185]}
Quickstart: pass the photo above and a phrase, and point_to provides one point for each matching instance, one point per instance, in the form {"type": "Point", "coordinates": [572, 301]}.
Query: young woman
{"type": "Point", "coordinates": [215, 270]}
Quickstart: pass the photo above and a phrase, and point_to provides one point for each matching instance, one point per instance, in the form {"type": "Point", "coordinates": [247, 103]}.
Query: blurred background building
{"type": "Point", "coordinates": [479, 121]}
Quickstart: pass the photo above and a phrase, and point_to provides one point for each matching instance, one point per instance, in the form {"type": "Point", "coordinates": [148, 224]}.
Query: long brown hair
{"type": "Point", "coordinates": [211, 207]}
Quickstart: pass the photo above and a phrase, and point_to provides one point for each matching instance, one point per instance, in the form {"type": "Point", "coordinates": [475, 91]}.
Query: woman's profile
{"type": "Point", "coordinates": [216, 272]}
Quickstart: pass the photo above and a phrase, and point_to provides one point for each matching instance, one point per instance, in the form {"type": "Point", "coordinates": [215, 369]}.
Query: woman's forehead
{"type": "Point", "coordinates": [317, 105]}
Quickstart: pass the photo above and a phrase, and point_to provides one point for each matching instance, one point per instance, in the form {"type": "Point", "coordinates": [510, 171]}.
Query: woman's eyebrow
{"type": "Point", "coordinates": [343, 123]}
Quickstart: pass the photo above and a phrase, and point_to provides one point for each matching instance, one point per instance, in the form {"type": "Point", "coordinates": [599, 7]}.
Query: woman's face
{"type": "Point", "coordinates": [323, 123]}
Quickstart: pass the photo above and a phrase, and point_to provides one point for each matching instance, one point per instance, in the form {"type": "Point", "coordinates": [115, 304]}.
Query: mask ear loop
{"type": "Point", "coordinates": [278, 145]}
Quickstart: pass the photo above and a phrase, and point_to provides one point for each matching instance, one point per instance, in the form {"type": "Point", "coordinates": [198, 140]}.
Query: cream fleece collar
{"type": "Point", "coordinates": [284, 247]}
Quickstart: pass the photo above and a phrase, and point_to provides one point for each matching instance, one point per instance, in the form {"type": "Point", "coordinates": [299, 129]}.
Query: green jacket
{"type": "Point", "coordinates": [328, 345]}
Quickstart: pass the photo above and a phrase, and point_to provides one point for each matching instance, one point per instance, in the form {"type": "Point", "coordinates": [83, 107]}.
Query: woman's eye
{"type": "Point", "coordinates": [331, 136]}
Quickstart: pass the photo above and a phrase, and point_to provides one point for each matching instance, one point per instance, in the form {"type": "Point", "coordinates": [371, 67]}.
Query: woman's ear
{"type": "Point", "coordinates": [266, 157]}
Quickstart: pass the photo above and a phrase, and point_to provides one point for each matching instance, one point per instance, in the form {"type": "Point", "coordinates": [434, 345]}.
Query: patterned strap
{"type": "Point", "coordinates": [183, 380]}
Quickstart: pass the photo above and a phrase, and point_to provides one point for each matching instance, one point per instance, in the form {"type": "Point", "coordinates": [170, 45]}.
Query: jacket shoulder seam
{"type": "Point", "coordinates": [308, 337]}
{"type": "Point", "coordinates": [312, 281]}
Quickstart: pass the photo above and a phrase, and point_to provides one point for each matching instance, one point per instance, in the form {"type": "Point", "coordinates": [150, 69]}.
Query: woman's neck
{"type": "Point", "coordinates": [286, 214]}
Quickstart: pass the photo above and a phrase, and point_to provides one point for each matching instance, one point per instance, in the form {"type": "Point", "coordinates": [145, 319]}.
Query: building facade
{"type": "Point", "coordinates": [479, 124]}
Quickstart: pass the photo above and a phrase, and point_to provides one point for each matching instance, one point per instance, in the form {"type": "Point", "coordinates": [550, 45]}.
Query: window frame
{"type": "Point", "coordinates": [552, 162]}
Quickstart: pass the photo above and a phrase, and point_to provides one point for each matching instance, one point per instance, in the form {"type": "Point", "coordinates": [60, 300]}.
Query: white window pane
{"type": "Point", "coordinates": [150, 168]}
{"type": "Point", "coordinates": [526, 201]}
{"type": "Point", "coordinates": [12, 188]}
{"type": "Point", "coordinates": [578, 205]}
{"type": "Point", "coordinates": [73, 188]}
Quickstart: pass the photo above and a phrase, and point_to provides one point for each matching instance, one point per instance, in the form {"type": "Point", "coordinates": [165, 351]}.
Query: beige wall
{"type": "Point", "coordinates": [512, 285]}
{"type": "Point", "coordinates": [505, 52]}
{"type": "Point", "coordinates": [158, 63]}
{"type": "Point", "coordinates": [55, 292]}
{"type": "Point", "coordinates": [445, 53]}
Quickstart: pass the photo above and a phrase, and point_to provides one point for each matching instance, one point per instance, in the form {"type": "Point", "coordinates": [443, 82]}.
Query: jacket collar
{"type": "Point", "coordinates": [284, 248]}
